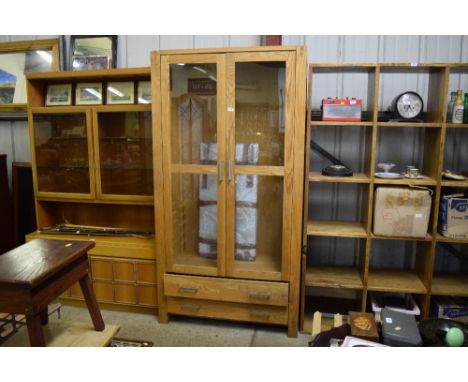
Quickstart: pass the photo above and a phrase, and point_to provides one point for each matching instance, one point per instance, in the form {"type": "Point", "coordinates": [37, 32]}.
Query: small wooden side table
{"type": "Point", "coordinates": [34, 274]}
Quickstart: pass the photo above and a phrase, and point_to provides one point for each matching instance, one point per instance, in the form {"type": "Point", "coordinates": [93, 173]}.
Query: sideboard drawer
{"type": "Point", "coordinates": [232, 290]}
{"type": "Point", "coordinates": [228, 310]}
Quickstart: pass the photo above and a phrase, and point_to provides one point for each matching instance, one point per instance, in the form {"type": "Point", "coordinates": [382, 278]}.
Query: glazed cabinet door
{"type": "Point", "coordinates": [193, 103]}
{"type": "Point", "coordinates": [123, 152]}
{"type": "Point", "coordinates": [259, 164]}
{"type": "Point", "coordinates": [62, 148]}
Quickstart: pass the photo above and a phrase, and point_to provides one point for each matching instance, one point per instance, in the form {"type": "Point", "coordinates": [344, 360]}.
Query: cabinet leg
{"type": "Point", "coordinates": [91, 303]}
{"type": "Point", "coordinates": [36, 335]}
{"type": "Point", "coordinates": [44, 316]}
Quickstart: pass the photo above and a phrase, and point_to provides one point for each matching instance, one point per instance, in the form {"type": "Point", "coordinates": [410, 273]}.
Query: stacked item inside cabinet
{"type": "Point", "coordinates": [349, 261]}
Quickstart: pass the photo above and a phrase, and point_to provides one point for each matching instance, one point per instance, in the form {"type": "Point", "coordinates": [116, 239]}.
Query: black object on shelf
{"type": "Point", "coordinates": [433, 331]}
{"type": "Point", "coordinates": [337, 168]}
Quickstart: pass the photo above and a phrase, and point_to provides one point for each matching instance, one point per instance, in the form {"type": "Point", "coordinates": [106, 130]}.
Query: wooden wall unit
{"type": "Point", "coordinates": [353, 275]}
{"type": "Point", "coordinates": [92, 166]}
{"type": "Point", "coordinates": [231, 120]}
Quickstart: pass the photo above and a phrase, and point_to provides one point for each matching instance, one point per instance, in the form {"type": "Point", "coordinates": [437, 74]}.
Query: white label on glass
{"type": "Point", "coordinates": [414, 64]}
{"type": "Point", "coordinates": [230, 109]}
{"type": "Point", "coordinates": [388, 320]}
{"type": "Point", "coordinates": [418, 215]}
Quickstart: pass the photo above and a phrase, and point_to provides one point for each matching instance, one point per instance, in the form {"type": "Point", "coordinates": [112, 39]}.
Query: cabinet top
{"type": "Point", "coordinates": [91, 74]}
{"type": "Point", "coordinates": [267, 48]}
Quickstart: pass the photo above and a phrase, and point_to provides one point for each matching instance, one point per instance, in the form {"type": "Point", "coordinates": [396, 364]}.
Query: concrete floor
{"type": "Point", "coordinates": [187, 331]}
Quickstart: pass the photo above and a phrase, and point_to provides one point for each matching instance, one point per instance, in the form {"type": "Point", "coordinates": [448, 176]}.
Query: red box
{"type": "Point", "coordinates": [342, 110]}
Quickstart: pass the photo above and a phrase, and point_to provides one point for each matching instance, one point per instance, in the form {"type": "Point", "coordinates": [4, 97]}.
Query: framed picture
{"type": "Point", "coordinates": [120, 93]}
{"type": "Point", "coordinates": [60, 94]}
{"type": "Point", "coordinates": [144, 92]}
{"type": "Point", "coordinates": [88, 93]}
{"type": "Point", "coordinates": [17, 59]}
{"type": "Point", "coordinates": [93, 52]}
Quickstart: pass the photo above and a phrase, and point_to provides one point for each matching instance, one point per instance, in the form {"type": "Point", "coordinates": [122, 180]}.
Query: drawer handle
{"type": "Point", "coordinates": [259, 296]}
{"type": "Point", "coordinates": [192, 307]}
{"type": "Point", "coordinates": [260, 313]}
{"type": "Point", "coordinates": [188, 290]}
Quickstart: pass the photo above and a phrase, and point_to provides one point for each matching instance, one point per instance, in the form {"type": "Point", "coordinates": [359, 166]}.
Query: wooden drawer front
{"type": "Point", "coordinates": [125, 293]}
{"type": "Point", "coordinates": [228, 310]}
{"type": "Point", "coordinates": [103, 291]}
{"type": "Point", "coordinates": [207, 288]}
{"type": "Point", "coordinates": [146, 273]}
{"type": "Point", "coordinates": [124, 271]}
{"type": "Point", "coordinates": [147, 295]}
{"type": "Point", "coordinates": [101, 269]}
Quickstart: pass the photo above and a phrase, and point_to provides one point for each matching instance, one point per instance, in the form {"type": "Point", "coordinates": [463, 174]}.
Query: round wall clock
{"type": "Point", "coordinates": [407, 105]}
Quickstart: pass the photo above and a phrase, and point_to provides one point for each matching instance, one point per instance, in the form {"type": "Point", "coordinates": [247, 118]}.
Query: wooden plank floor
{"type": "Point", "coordinates": [67, 333]}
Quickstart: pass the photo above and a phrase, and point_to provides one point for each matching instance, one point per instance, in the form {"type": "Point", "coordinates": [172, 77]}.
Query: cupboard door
{"type": "Point", "coordinates": [62, 154]}
{"type": "Point", "coordinates": [193, 103]}
{"type": "Point", "coordinates": [124, 159]}
{"type": "Point", "coordinates": [259, 163]}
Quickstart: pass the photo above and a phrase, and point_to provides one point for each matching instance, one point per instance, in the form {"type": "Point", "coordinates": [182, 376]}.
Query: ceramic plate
{"type": "Point", "coordinates": [388, 175]}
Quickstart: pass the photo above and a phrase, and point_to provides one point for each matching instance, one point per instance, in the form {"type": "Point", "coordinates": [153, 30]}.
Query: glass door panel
{"type": "Point", "coordinates": [124, 153]}
{"type": "Point", "coordinates": [259, 162]}
{"type": "Point", "coordinates": [62, 153]}
{"type": "Point", "coordinates": [193, 126]}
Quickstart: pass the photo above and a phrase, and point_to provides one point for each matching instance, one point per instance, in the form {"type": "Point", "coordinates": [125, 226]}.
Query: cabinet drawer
{"type": "Point", "coordinates": [228, 310]}
{"type": "Point", "coordinates": [233, 290]}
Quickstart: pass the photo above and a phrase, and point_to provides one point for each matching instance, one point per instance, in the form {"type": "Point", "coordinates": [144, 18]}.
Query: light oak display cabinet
{"type": "Point", "coordinates": [93, 169]}
{"type": "Point", "coordinates": [232, 126]}
{"type": "Point", "coordinates": [344, 261]}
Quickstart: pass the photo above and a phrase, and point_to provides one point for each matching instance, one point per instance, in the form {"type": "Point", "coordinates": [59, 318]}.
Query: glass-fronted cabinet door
{"type": "Point", "coordinates": [193, 103]}
{"type": "Point", "coordinates": [259, 164]}
{"type": "Point", "coordinates": [123, 152]}
{"type": "Point", "coordinates": [62, 153]}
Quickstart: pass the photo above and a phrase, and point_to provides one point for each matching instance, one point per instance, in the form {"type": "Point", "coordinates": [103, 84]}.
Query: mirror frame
{"type": "Point", "coordinates": [24, 47]}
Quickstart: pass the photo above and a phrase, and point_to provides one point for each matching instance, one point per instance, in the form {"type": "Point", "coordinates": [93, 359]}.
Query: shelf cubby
{"type": "Point", "coordinates": [451, 268]}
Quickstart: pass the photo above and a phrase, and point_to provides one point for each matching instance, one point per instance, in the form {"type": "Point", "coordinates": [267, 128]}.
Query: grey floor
{"type": "Point", "coordinates": [186, 331]}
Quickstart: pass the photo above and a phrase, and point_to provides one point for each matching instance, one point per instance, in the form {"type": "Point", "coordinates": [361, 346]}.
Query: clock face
{"type": "Point", "coordinates": [409, 105]}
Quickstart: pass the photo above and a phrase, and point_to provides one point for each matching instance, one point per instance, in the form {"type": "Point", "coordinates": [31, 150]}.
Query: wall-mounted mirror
{"type": "Point", "coordinates": [18, 58]}
{"type": "Point", "coordinates": [93, 52]}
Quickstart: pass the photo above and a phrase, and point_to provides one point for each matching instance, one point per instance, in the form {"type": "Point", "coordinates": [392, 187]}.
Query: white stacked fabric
{"type": "Point", "coordinates": [246, 204]}
{"type": "Point", "coordinates": [208, 220]}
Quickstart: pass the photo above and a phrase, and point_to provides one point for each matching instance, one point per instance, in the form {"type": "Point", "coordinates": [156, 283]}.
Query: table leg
{"type": "Point", "coordinates": [36, 335]}
{"type": "Point", "coordinates": [91, 303]}
{"type": "Point", "coordinates": [44, 316]}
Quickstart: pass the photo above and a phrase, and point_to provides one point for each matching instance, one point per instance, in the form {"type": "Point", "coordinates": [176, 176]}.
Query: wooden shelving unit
{"type": "Point", "coordinates": [421, 279]}
{"type": "Point", "coordinates": [93, 166]}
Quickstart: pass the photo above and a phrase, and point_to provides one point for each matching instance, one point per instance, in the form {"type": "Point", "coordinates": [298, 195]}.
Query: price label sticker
{"type": "Point", "coordinates": [388, 320]}
{"type": "Point", "coordinates": [230, 109]}
{"type": "Point", "coordinates": [414, 64]}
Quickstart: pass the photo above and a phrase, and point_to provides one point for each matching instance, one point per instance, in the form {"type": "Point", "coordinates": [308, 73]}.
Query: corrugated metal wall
{"type": "Point", "coordinates": [134, 51]}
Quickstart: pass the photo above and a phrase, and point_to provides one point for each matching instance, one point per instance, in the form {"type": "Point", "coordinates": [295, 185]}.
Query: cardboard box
{"type": "Point", "coordinates": [453, 216]}
{"type": "Point", "coordinates": [454, 308]}
{"type": "Point", "coordinates": [402, 211]}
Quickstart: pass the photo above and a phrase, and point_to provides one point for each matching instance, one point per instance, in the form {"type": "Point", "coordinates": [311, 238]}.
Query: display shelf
{"type": "Point", "coordinates": [444, 239]}
{"type": "Point", "coordinates": [333, 277]}
{"type": "Point", "coordinates": [395, 281]}
{"type": "Point", "coordinates": [315, 176]}
{"type": "Point", "coordinates": [450, 285]}
{"type": "Point", "coordinates": [336, 228]}
{"type": "Point", "coordinates": [455, 183]}
{"type": "Point", "coordinates": [410, 124]}
{"type": "Point", "coordinates": [431, 145]}
{"type": "Point", "coordinates": [427, 238]}
{"type": "Point", "coordinates": [457, 125]}
{"type": "Point", "coordinates": [339, 123]}
{"type": "Point", "coordinates": [427, 181]}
